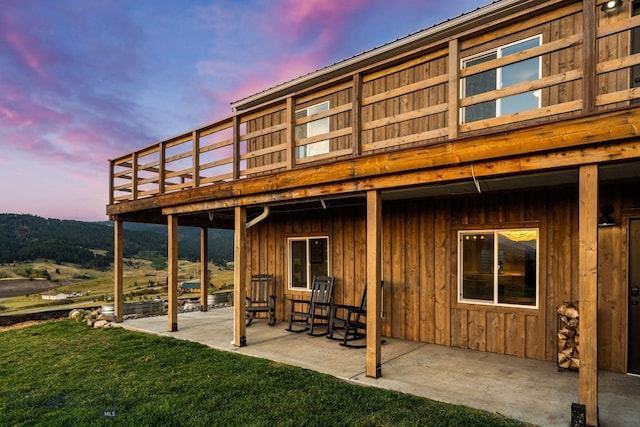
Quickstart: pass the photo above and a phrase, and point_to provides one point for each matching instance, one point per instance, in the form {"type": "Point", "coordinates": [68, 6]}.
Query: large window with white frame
{"type": "Point", "coordinates": [308, 257]}
{"type": "Point", "coordinates": [502, 77]}
{"type": "Point", "coordinates": [498, 267]}
{"type": "Point", "coordinates": [313, 128]}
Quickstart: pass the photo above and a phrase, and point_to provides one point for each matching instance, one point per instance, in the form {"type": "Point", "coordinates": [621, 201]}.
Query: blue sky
{"type": "Point", "coordinates": [83, 81]}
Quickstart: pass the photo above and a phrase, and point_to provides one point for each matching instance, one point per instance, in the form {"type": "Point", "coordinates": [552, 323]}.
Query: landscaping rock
{"type": "Point", "coordinates": [102, 324]}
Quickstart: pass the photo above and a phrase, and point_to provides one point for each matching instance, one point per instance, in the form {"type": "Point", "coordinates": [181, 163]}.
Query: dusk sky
{"type": "Point", "coordinates": [84, 81]}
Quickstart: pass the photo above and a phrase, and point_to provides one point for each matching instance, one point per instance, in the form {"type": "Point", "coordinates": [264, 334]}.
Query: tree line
{"type": "Point", "coordinates": [30, 237]}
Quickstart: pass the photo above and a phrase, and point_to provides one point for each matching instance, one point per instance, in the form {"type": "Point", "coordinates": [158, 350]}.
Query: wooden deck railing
{"type": "Point", "coordinates": [407, 103]}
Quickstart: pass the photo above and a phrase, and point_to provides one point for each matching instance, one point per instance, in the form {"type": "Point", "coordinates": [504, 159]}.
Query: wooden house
{"type": "Point", "coordinates": [475, 176]}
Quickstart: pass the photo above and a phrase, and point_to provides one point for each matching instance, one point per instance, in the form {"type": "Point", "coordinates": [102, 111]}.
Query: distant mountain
{"type": "Point", "coordinates": [29, 237]}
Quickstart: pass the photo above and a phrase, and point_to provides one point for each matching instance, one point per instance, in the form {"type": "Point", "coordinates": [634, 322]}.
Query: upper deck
{"type": "Point", "coordinates": [491, 88]}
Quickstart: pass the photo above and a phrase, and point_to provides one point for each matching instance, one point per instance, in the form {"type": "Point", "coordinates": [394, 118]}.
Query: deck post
{"type": "Point", "coordinates": [172, 233]}
{"type": "Point", "coordinates": [589, 56]}
{"type": "Point", "coordinates": [374, 291]}
{"type": "Point", "coordinates": [588, 291]}
{"type": "Point", "coordinates": [118, 280]}
{"type": "Point", "coordinates": [204, 264]}
{"type": "Point", "coordinates": [239, 276]}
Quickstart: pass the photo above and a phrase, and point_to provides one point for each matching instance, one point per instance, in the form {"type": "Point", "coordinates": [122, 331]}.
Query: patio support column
{"type": "Point", "coordinates": [204, 264]}
{"type": "Point", "coordinates": [239, 276]}
{"type": "Point", "coordinates": [588, 291]}
{"type": "Point", "coordinates": [118, 280]}
{"type": "Point", "coordinates": [374, 291]}
{"type": "Point", "coordinates": [172, 233]}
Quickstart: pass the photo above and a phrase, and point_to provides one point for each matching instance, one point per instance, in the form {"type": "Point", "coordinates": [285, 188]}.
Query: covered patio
{"type": "Point", "coordinates": [529, 390]}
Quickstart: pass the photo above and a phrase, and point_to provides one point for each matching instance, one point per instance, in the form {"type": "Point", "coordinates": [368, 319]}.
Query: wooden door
{"type": "Point", "coordinates": [633, 360]}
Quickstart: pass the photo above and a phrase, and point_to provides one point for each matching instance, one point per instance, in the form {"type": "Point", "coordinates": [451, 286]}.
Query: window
{"type": "Point", "coordinates": [498, 267]}
{"type": "Point", "coordinates": [308, 257]}
{"type": "Point", "coordinates": [316, 127]}
{"type": "Point", "coordinates": [498, 78]}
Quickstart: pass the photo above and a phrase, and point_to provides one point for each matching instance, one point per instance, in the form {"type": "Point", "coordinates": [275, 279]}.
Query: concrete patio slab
{"type": "Point", "coordinates": [529, 390]}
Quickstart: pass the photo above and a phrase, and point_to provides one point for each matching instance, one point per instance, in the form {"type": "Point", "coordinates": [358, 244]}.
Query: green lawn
{"type": "Point", "coordinates": [65, 374]}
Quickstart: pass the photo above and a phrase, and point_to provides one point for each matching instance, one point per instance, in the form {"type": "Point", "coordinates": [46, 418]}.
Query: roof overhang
{"type": "Point", "coordinates": [476, 19]}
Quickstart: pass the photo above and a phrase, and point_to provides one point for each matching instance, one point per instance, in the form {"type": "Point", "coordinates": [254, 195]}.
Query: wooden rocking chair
{"type": "Point", "coordinates": [349, 322]}
{"type": "Point", "coordinates": [315, 312]}
{"type": "Point", "coordinates": [261, 298]}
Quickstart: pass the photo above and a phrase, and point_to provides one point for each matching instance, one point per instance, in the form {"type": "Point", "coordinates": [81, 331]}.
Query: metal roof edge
{"type": "Point", "coordinates": [441, 30]}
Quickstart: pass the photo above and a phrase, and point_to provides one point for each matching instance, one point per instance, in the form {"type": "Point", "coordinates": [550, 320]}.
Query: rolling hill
{"type": "Point", "coordinates": [30, 237]}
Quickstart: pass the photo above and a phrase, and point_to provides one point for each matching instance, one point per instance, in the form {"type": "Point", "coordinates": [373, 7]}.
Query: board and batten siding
{"type": "Point", "coordinates": [419, 268]}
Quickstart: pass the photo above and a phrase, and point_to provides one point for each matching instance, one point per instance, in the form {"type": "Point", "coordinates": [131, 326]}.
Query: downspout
{"type": "Point", "coordinates": [262, 216]}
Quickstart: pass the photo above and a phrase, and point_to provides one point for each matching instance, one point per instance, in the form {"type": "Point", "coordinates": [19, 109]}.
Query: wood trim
{"type": "Point", "coordinates": [134, 176]}
{"type": "Point", "coordinates": [172, 236]}
{"type": "Point", "coordinates": [263, 151]}
{"type": "Point", "coordinates": [330, 89]}
{"type": "Point", "coordinates": [618, 26]}
{"type": "Point", "coordinates": [356, 116]}
{"type": "Point", "coordinates": [236, 147]}
{"type": "Point", "coordinates": [239, 276]}
{"type": "Point", "coordinates": [265, 131]}
{"type": "Point", "coordinates": [111, 182]}
{"type": "Point", "coordinates": [204, 267]}
{"type": "Point", "coordinates": [403, 90]}
{"type": "Point", "coordinates": [551, 110]}
{"type": "Point", "coordinates": [216, 145]}
{"type": "Point", "coordinates": [415, 114]}
{"type": "Point", "coordinates": [118, 278]}
{"type": "Point", "coordinates": [588, 290]}
{"type": "Point", "coordinates": [441, 53]}
{"type": "Point", "coordinates": [589, 56]}
{"type": "Point", "coordinates": [579, 136]}
{"type": "Point", "coordinates": [290, 138]}
{"type": "Point", "coordinates": [408, 139]}
{"type": "Point", "coordinates": [533, 52]}
{"type": "Point", "coordinates": [454, 89]}
{"type": "Point", "coordinates": [618, 63]}
{"type": "Point", "coordinates": [162, 170]}
{"type": "Point", "coordinates": [196, 159]}
{"type": "Point", "coordinates": [374, 277]}
{"type": "Point", "coordinates": [524, 87]}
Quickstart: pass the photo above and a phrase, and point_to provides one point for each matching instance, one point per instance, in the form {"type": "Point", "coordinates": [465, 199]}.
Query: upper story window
{"type": "Point", "coordinates": [502, 77]}
{"type": "Point", "coordinates": [316, 127]}
{"type": "Point", "coordinates": [308, 257]}
{"type": "Point", "coordinates": [498, 267]}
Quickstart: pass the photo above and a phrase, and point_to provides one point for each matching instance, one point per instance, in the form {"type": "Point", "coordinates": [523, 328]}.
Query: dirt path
{"type": "Point", "coordinates": [18, 287]}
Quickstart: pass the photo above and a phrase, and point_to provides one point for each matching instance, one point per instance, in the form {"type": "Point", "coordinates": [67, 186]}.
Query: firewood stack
{"type": "Point", "coordinates": [568, 337]}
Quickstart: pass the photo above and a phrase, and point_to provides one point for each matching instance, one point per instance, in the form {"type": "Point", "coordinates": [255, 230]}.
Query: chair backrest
{"type": "Point", "coordinates": [322, 289]}
{"type": "Point", "coordinates": [363, 301]}
{"type": "Point", "coordinates": [261, 288]}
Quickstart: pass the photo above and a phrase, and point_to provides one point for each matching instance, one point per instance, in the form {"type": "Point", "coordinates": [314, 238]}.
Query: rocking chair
{"type": "Point", "coordinates": [316, 312]}
{"type": "Point", "coordinates": [261, 298]}
{"type": "Point", "coordinates": [349, 322]}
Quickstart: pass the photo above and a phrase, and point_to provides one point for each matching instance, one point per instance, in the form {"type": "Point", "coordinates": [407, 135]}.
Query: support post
{"type": "Point", "coordinates": [204, 270]}
{"type": "Point", "coordinates": [454, 84]}
{"type": "Point", "coordinates": [291, 133]}
{"type": "Point", "coordinates": [239, 276]}
{"type": "Point", "coordinates": [172, 233]}
{"type": "Point", "coordinates": [374, 291]}
{"type": "Point", "coordinates": [118, 279]}
{"type": "Point", "coordinates": [589, 56]}
{"type": "Point", "coordinates": [588, 291]}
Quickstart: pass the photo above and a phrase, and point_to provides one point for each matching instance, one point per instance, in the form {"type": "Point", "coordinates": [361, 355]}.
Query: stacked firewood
{"type": "Point", "coordinates": [568, 337]}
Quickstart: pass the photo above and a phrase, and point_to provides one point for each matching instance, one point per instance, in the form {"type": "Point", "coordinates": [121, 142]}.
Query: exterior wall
{"type": "Point", "coordinates": [420, 267]}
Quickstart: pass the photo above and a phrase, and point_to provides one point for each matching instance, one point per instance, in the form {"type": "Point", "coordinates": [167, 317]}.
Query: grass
{"type": "Point", "coordinates": [98, 285]}
{"type": "Point", "coordinates": [64, 373]}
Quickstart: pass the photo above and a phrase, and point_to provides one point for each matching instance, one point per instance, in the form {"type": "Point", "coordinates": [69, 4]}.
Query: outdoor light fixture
{"type": "Point", "coordinates": [606, 220]}
{"type": "Point", "coordinates": [611, 6]}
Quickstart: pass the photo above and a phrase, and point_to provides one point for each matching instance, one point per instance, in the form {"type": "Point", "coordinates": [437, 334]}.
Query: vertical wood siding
{"type": "Point", "coordinates": [420, 268]}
